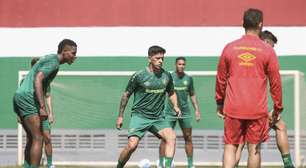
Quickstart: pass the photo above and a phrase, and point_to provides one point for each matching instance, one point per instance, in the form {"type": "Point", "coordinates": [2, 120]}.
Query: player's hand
{"type": "Point", "coordinates": [178, 111]}
{"type": "Point", "coordinates": [19, 120]}
{"type": "Point", "coordinates": [274, 116]}
{"type": "Point", "coordinates": [51, 118]}
{"type": "Point", "coordinates": [220, 113]}
{"type": "Point", "coordinates": [198, 116]}
{"type": "Point", "coordinates": [119, 123]}
{"type": "Point", "coordinates": [43, 114]}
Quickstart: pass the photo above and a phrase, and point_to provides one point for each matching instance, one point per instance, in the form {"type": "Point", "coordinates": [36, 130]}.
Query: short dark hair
{"type": "Point", "coordinates": [268, 35]}
{"type": "Point", "coordinates": [63, 43]}
{"type": "Point", "coordinates": [153, 50]}
{"type": "Point", "coordinates": [34, 60]}
{"type": "Point", "coordinates": [252, 18]}
{"type": "Point", "coordinates": [180, 58]}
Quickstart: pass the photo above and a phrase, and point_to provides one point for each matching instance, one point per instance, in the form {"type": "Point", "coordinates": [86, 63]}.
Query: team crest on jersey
{"type": "Point", "coordinates": [165, 81]}
{"type": "Point", "coordinates": [185, 82]}
{"type": "Point", "coordinates": [247, 59]}
{"type": "Point", "coordinates": [147, 83]}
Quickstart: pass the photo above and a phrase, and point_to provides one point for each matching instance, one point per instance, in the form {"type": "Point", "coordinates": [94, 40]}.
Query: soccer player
{"type": "Point", "coordinates": [280, 126]}
{"type": "Point", "coordinates": [245, 67]}
{"type": "Point", "coordinates": [150, 87]}
{"type": "Point", "coordinates": [46, 127]}
{"type": "Point", "coordinates": [29, 101]}
{"type": "Point", "coordinates": [183, 86]}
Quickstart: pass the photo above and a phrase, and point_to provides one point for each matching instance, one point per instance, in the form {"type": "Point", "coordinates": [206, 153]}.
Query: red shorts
{"type": "Point", "coordinates": [239, 131]}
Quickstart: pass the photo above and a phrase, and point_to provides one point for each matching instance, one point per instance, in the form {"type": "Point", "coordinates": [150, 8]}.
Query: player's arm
{"type": "Point", "coordinates": [172, 96]}
{"type": "Point", "coordinates": [173, 99]}
{"type": "Point", "coordinates": [275, 84]}
{"type": "Point", "coordinates": [125, 99]}
{"type": "Point", "coordinates": [194, 101]}
{"type": "Point", "coordinates": [221, 81]}
{"type": "Point", "coordinates": [49, 106]}
{"type": "Point", "coordinates": [38, 87]}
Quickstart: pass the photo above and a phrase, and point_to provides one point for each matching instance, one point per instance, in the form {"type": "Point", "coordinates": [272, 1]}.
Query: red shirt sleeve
{"type": "Point", "coordinates": [221, 79]}
{"type": "Point", "coordinates": [275, 81]}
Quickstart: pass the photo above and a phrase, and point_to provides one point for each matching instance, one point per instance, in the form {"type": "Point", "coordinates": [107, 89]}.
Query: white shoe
{"type": "Point", "coordinates": [52, 166]}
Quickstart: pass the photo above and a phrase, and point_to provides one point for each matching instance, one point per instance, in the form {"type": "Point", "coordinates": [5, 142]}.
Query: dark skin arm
{"type": "Point", "coordinates": [38, 87]}
{"type": "Point", "coordinates": [124, 100]}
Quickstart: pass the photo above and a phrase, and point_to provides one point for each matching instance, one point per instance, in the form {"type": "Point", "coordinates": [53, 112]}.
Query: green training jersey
{"type": "Point", "coordinates": [49, 65]}
{"type": "Point", "coordinates": [183, 87]}
{"type": "Point", "coordinates": [149, 90]}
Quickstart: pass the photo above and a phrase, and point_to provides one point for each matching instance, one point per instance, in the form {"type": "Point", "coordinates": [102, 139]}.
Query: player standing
{"type": "Point", "coordinates": [183, 86]}
{"type": "Point", "coordinates": [29, 99]}
{"type": "Point", "coordinates": [245, 67]}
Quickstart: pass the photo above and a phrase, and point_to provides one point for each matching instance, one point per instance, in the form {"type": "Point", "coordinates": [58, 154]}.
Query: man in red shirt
{"type": "Point", "coordinates": [244, 69]}
{"type": "Point", "coordinates": [280, 126]}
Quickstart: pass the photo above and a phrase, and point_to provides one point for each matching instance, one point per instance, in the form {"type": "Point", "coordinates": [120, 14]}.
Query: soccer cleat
{"type": "Point", "coordinates": [52, 166]}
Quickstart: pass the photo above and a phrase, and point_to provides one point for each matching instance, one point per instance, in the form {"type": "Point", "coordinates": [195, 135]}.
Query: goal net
{"type": "Point", "coordinates": [85, 104]}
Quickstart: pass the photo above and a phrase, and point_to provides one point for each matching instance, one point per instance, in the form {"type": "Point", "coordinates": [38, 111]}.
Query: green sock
{"type": "Point", "coordinates": [34, 166]}
{"type": "Point", "coordinates": [190, 161]}
{"type": "Point", "coordinates": [287, 160]}
{"type": "Point", "coordinates": [161, 161]}
{"type": "Point", "coordinates": [26, 164]}
{"type": "Point", "coordinates": [49, 160]}
{"type": "Point", "coordinates": [168, 162]}
{"type": "Point", "coordinates": [120, 164]}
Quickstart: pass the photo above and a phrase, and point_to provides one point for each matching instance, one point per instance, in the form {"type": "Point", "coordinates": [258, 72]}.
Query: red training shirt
{"type": "Point", "coordinates": [244, 69]}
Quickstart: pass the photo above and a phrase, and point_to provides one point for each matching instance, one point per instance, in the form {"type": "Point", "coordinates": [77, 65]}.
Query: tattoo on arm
{"type": "Point", "coordinates": [124, 100]}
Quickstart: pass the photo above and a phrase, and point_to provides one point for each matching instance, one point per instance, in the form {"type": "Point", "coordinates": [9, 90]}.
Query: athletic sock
{"type": "Point", "coordinates": [34, 166]}
{"type": "Point", "coordinates": [120, 164]}
{"type": "Point", "coordinates": [26, 164]}
{"type": "Point", "coordinates": [287, 161]}
{"type": "Point", "coordinates": [168, 162]}
{"type": "Point", "coordinates": [161, 161]}
{"type": "Point", "coordinates": [49, 160]}
{"type": "Point", "coordinates": [190, 161]}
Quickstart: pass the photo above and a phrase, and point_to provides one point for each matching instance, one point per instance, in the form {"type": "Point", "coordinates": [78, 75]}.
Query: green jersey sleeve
{"type": "Point", "coordinates": [132, 84]}
{"type": "Point", "coordinates": [170, 86]}
{"type": "Point", "coordinates": [47, 68]}
{"type": "Point", "coordinates": [191, 87]}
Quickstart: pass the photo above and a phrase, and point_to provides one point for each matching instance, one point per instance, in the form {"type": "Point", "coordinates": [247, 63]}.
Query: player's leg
{"type": "Point", "coordinates": [186, 127]}
{"type": "Point", "coordinates": [47, 141]}
{"type": "Point", "coordinates": [127, 151]}
{"type": "Point", "coordinates": [282, 143]}
{"type": "Point", "coordinates": [233, 135]}
{"type": "Point", "coordinates": [137, 128]}
{"type": "Point", "coordinates": [27, 159]}
{"type": "Point", "coordinates": [162, 146]}
{"type": "Point", "coordinates": [254, 159]}
{"type": "Point", "coordinates": [238, 153]}
{"type": "Point", "coordinates": [162, 129]}
{"type": "Point", "coordinates": [257, 132]}
{"type": "Point", "coordinates": [32, 123]}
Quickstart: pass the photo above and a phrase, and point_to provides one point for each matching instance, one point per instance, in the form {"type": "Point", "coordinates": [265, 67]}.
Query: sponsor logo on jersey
{"type": "Point", "coordinates": [247, 59]}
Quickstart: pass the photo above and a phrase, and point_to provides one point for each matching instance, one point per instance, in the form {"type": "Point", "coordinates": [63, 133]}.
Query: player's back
{"type": "Point", "coordinates": [49, 65]}
{"type": "Point", "coordinates": [246, 93]}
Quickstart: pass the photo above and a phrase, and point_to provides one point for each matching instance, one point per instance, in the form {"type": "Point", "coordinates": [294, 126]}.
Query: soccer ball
{"type": "Point", "coordinates": [144, 163]}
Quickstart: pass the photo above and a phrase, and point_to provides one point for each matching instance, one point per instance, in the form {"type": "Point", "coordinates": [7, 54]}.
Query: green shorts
{"type": "Point", "coordinates": [24, 107]}
{"type": "Point", "coordinates": [45, 125]}
{"type": "Point", "coordinates": [140, 125]}
{"type": "Point", "coordinates": [183, 122]}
